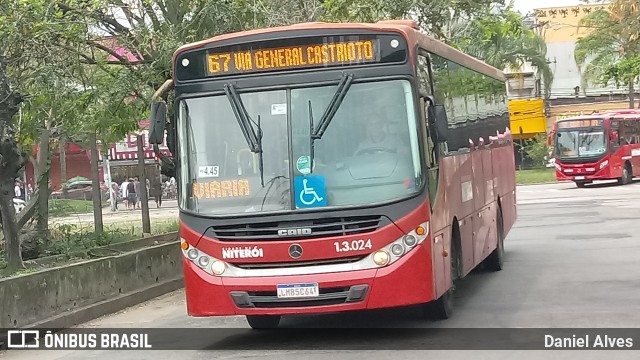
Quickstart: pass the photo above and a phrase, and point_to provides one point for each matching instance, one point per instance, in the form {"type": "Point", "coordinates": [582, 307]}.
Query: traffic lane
{"type": "Point", "coordinates": [564, 268]}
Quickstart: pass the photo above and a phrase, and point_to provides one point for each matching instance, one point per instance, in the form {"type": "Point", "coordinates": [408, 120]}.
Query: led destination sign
{"type": "Point", "coordinates": [293, 57]}
{"type": "Point", "coordinates": [579, 123]}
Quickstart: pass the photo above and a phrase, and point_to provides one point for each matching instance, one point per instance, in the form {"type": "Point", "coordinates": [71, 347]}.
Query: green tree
{"type": "Point", "coordinates": [502, 39]}
{"type": "Point", "coordinates": [608, 52]}
{"type": "Point", "coordinates": [537, 149]}
{"type": "Point", "coordinates": [431, 15]}
{"type": "Point", "coordinates": [29, 28]}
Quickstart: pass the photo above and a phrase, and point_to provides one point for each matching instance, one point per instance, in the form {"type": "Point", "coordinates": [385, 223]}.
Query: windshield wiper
{"type": "Point", "coordinates": [311, 138]}
{"type": "Point", "coordinates": [343, 87]}
{"type": "Point", "coordinates": [330, 112]}
{"type": "Point", "coordinates": [244, 120]}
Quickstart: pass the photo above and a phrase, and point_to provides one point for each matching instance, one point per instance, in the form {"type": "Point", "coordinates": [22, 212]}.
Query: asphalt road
{"type": "Point", "coordinates": [572, 260]}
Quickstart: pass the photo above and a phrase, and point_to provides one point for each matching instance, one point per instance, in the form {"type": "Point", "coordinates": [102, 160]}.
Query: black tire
{"type": "Point", "coordinates": [627, 175]}
{"type": "Point", "coordinates": [495, 260]}
{"type": "Point", "coordinates": [442, 308]}
{"type": "Point", "coordinates": [580, 184]}
{"type": "Point", "coordinates": [263, 321]}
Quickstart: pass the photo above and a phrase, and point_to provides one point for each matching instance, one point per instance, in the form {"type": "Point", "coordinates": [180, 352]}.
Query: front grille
{"type": "Point", "coordinates": [324, 227]}
{"type": "Point", "coordinates": [327, 296]}
{"type": "Point", "coordinates": [298, 263]}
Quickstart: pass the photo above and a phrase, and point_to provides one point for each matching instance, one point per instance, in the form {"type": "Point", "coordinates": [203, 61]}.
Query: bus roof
{"type": "Point", "coordinates": [408, 28]}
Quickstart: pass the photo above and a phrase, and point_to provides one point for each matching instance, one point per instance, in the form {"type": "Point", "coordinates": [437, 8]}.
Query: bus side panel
{"type": "Point", "coordinates": [487, 237]}
{"type": "Point", "coordinates": [635, 159]}
{"type": "Point", "coordinates": [480, 218]}
{"type": "Point", "coordinates": [452, 200]}
{"type": "Point", "coordinates": [489, 193]}
{"type": "Point", "coordinates": [478, 181]}
{"type": "Point", "coordinates": [466, 237]}
{"type": "Point", "coordinates": [503, 159]}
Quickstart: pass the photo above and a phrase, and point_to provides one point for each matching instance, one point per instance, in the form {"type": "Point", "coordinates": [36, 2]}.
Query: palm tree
{"type": "Point", "coordinates": [611, 45]}
{"type": "Point", "coordinates": [502, 40]}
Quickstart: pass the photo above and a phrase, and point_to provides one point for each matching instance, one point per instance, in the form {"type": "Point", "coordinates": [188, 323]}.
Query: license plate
{"type": "Point", "coordinates": [297, 290]}
{"type": "Point", "coordinates": [579, 177]}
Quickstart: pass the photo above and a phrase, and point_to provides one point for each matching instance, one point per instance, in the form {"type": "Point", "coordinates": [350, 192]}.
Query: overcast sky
{"type": "Point", "coordinates": [526, 6]}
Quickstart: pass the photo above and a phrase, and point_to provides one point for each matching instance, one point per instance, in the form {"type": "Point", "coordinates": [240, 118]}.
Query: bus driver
{"type": "Point", "coordinates": [378, 138]}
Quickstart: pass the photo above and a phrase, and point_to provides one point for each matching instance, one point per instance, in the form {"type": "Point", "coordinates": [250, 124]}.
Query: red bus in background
{"type": "Point", "coordinates": [336, 167]}
{"type": "Point", "coordinates": [598, 147]}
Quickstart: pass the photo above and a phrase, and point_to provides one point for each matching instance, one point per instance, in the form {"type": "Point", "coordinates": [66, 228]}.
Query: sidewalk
{"type": "Point", "coordinates": [169, 210]}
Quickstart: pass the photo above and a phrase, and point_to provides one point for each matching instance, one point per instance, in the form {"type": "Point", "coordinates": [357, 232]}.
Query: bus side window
{"type": "Point", "coordinates": [426, 90]}
{"type": "Point", "coordinates": [616, 139]}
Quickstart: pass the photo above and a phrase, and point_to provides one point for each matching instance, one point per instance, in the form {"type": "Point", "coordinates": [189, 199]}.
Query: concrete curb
{"type": "Point", "coordinates": [68, 295]}
{"type": "Point", "coordinates": [106, 307]}
{"type": "Point", "coordinates": [539, 183]}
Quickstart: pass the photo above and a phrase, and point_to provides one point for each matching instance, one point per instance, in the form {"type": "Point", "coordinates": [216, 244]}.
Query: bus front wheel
{"type": "Point", "coordinates": [627, 176]}
{"type": "Point", "coordinates": [263, 321]}
{"type": "Point", "coordinates": [442, 308]}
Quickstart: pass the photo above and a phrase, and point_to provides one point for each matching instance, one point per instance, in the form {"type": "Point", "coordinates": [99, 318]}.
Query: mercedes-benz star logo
{"type": "Point", "coordinates": [295, 251]}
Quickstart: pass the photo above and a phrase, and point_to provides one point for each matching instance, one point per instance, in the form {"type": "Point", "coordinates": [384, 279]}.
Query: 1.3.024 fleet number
{"type": "Point", "coordinates": [355, 245]}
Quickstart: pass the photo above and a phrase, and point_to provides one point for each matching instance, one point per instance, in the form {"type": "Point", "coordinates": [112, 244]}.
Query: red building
{"type": "Point", "coordinates": [123, 160]}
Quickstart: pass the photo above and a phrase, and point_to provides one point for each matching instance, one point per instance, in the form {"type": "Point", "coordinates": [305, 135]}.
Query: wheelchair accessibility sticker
{"type": "Point", "coordinates": [310, 191]}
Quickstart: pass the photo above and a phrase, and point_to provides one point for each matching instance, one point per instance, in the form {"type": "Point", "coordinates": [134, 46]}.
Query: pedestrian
{"type": "Point", "coordinates": [115, 192]}
{"type": "Point", "coordinates": [138, 190]}
{"type": "Point", "coordinates": [17, 190]}
{"type": "Point", "coordinates": [156, 190]}
{"type": "Point", "coordinates": [131, 194]}
{"type": "Point", "coordinates": [125, 195]}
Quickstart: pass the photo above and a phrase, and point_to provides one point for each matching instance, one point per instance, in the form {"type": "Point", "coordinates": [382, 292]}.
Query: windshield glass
{"type": "Point", "coordinates": [577, 143]}
{"type": "Point", "coordinates": [369, 152]}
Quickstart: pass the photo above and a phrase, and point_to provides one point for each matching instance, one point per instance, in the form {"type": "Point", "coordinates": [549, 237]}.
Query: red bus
{"type": "Point", "coordinates": [598, 147]}
{"type": "Point", "coordinates": [336, 167]}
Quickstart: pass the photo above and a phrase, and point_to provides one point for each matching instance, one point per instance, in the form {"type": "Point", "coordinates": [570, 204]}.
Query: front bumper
{"type": "Point", "coordinates": [602, 174]}
{"type": "Point", "coordinates": [407, 281]}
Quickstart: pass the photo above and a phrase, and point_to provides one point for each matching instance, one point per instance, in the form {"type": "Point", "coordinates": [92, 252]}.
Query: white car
{"type": "Point", "coordinates": [19, 204]}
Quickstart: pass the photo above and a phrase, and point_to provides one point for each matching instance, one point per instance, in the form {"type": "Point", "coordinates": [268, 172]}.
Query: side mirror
{"type": "Point", "coordinates": [157, 121]}
{"type": "Point", "coordinates": [438, 122]}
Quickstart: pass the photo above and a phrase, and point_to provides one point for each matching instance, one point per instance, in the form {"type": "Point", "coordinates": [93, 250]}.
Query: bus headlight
{"type": "Point", "coordinates": [203, 261]}
{"type": "Point", "coordinates": [192, 253]}
{"type": "Point", "coordinates": [397, 249]}
{"type": "Point", "coordinates": [381, 258]}
{"type": "Point", "coordinates": [604, 163]}
{"type": "Point", "coordinates": [207, 263]}
{"type": "Point", "coordinates": [410, 240]}
{"type": "Point", "coordinates": [218, 267]}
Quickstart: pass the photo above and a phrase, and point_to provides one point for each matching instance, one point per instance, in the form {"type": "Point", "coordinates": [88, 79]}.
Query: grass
{"type": "Point", "coordinates": [64, 207]}
{"type": "Point", "coordinates": [535, 176]}
{"type": "Point", "coordinates": [74, 241]}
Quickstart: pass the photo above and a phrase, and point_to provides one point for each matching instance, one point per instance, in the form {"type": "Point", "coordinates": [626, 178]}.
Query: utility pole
{"type": "Point", "coordinates": [63, 164]}
{"type": "Point", "coordinates": [521, 149]}
{"type": "Point", "coordinates": [107, 179]}
{"type": "Point", "coordinates": [146, 222]}
{"type": "Point", "coordinates": [95, 183]}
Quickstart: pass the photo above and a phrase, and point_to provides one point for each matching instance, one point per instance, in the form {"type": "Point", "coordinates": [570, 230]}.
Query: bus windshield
{"type": "Point", "coordinates": [369, 152]}
{"type": "Point", "coordinates": [581, 143]}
